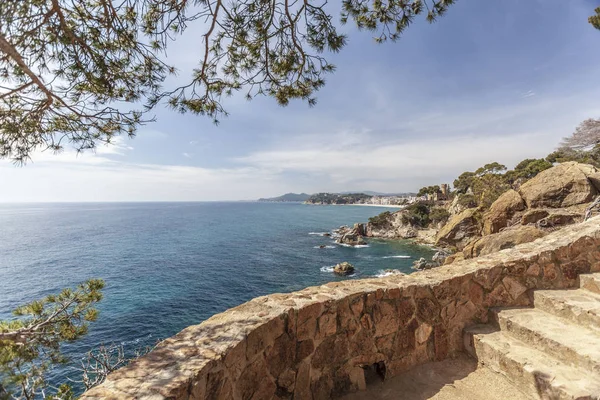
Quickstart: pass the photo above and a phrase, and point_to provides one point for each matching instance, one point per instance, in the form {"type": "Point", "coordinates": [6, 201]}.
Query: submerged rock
{"type": "Point", "coordinates": [344, 268]}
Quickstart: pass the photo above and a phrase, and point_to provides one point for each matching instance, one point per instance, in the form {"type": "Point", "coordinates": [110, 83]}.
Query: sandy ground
{"type": "Point", "coordinates": [453, 379]}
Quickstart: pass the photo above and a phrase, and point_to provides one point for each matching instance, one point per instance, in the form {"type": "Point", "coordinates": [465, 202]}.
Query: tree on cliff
{"type": "Point", "coordinates": [429, 190]}
{"type": "Point", "coordinates": [585, 137]}
{"type": "Point", "coordinates": [582, 146]}
{"type": "Point", "coordinates": [30, 344]}
{"type": "Point", "coordinates": [69, 68]}
{"type": "Point", "coordinates": [595, 19]}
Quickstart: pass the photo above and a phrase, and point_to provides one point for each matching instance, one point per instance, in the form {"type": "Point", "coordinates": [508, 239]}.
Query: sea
{"type": "Point", "coordinates": [170, 265]}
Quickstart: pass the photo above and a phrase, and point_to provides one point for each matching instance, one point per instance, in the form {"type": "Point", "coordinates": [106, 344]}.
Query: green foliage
{"type": "Point", "coordinates": [591, 156]}
{"type": "Point", "coordinates": [30, 344]}
{"type": "Point", "coordinates": [335, 198]}
{"type": "Point", "coordinates": [486, 184]}
{"type": "Point", "coordinates": [464, 182]}
{"type": "Point", "coordinates": [491, 168]}
{"type": "Point", "coordinates": [416, 214]}
{"type": "Point", "coordinates": [67, 67]}
{"type": "Point", "coordinates": [85, 71]}
{"type": "Point", "coordinates": [63, 66]}
{"type": "Point", "coordinates": [438, 214]}
{"type": "Point", "coordinates": [467, 201]}
{"type": "Point", "coordinates": [595, 19]}
{"type": "Point", "coordinates": [527, 169]}
{"type": "Point", "coordinates": [429, 190]}
{"type": "Point", "coordinates": [488, 188]}
{"type": "Point", "coordinates": [381, 219]}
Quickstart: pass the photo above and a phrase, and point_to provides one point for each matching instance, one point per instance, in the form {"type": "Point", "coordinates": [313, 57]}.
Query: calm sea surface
{"type": "Point", "coordinates": [170, 265]}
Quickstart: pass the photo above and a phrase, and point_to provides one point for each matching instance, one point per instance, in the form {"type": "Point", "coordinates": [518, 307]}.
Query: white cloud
{"type": "Point", "coordinates": [529, 93]}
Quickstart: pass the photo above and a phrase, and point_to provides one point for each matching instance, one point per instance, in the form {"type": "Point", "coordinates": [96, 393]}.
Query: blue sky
{"type": "Point", "coordinates": [490, 81]}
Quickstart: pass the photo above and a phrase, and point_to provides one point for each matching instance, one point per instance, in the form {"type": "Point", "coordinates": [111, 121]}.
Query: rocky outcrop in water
{"type": "Point", "coordinates": [344, 268]}
{"type": "Point", "coordinates": [352, 237]}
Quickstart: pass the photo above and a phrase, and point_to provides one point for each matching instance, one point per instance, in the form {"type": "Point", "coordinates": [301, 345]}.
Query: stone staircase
{"type": "Point", "coordinates": [551, 351]}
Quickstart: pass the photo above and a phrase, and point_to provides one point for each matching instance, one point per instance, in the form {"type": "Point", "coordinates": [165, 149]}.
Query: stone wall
{"type": "Point", "coordinates": [316, 343]}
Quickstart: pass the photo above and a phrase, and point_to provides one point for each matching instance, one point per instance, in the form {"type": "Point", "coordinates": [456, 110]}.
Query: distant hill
{"type": "Point", "coordinates": [338, 198]}
{"type": "Point", "coordinates": [288, 197]}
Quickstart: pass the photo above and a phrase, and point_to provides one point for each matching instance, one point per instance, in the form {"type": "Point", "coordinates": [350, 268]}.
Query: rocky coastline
{"type": "Point", "coordinates": [554, 198]}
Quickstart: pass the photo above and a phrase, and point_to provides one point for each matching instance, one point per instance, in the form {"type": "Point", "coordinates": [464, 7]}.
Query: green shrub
{"type": "Point", "coordinates": [381, 219]}
{"type": "Point", "coordinates": [417, 214]}
{"type": "Point", "coordinates": [439, 214]}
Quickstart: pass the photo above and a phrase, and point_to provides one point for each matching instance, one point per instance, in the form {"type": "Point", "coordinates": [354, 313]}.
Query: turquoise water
{"type": "Point", "coordinates": [170, 265]}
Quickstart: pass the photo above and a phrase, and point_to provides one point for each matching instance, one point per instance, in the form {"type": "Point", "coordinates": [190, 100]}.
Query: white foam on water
{"type": "Point", "coordinates": [328, 269]}
{"type": "Point", "coordinates": [360, 246]}
{"type": "Point", "coordinates": [396, 257]}
{"type": "Point", "coordinates": [326, 247]}
{"type": "Point", "coordinates": [317, 233]}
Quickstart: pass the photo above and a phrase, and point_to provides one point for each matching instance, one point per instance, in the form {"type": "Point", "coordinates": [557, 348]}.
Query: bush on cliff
{"type": "Point", "coordinates": [381, 219]}
{"type": "Point", "coordinates": [438, 214]}
{"type": "Point", "coordinates": [417, 214]}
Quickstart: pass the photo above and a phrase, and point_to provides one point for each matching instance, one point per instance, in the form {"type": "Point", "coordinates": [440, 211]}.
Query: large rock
{"type": "Point", "coordinates": [353, 237]}
{"type": "Point", "coordinates": [502, 240]}
{"type": "Point", "coordinates": [564, 185]}
{"type": "Point", "coordinates": [344, 268]}
{"type": "Point", "coordinates": [501, 211]}
{"type": "Point", "coordinates": [459, 230]}
{"type": "Point", "coordinates": [391, 226]}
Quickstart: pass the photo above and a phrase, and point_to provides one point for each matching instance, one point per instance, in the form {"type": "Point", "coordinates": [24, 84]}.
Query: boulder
{"type": "Point", "coordinates": [454, 258]}
{"type": "Point", "coordinates": [501, 211]}
{"type": "Point", "coordinates": [533, 216]}
{"type": "Point", "coordinates": [344, 268]}
{"type": "Point", "coordinates": [422, 264]}
{"type": "Point", "coordinates": [459, 230]}
{"type": "Point", "coordinates": [563, 185]}
{"type": "Point", "coordinates": [594, 178]}
{"type": "Point", "coordinates": [559, 218]}
{"type": "Point", "coordinates": [351, 239]}
{"type": "Point", "coordinates": [440, 257]}
{"type": "Point", "coordinates": [503, 240]}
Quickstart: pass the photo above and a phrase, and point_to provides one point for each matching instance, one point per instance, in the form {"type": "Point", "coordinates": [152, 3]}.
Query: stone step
{"type": "Point", "coordinates": [579, 306]}
{"type": "Point", "coordinates": [572, 344]}
{"type": "Point", "coordinates": [590, 282]}
{"type": "Point", "coordinates": [531, 371]}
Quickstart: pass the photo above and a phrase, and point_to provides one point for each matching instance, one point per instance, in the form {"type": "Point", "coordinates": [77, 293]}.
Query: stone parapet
{"type": "Point", "coordinates": [317, 343]}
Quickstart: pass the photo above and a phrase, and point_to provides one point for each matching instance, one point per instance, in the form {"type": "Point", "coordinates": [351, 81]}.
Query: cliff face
{"type": "Point", "coordinates": [554, 198]}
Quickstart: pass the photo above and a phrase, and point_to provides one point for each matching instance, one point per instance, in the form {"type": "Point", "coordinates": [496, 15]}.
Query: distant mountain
{"type": "Point", "coordinates": [288, 197]}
